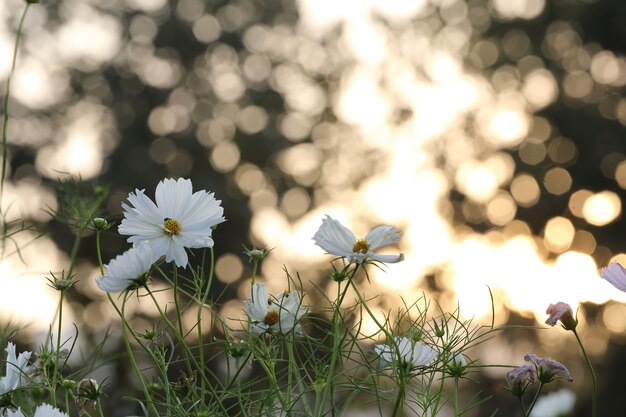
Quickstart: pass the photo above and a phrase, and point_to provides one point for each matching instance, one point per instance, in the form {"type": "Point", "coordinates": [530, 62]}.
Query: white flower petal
{"type": "Point", "coordinates": [334, 238]}
{"type": "Point", "coordinates": [121, 271]}
{"type": "Point", "coordinates": [387, 259]}
{"type": "Point", "coordinates": [616, 275]}
{"type": "Point", "coordinates": [172, 197]}
{"type": "Point", "coordinates": [382, 236]}
{"type": "Point", "coordinates": [194, 216]}
{"type": "Point", "coordinates": [46, 410]}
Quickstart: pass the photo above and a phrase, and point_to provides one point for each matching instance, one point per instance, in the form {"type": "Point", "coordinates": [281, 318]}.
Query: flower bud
{"type": "Point", "coordinates": [99, 223]}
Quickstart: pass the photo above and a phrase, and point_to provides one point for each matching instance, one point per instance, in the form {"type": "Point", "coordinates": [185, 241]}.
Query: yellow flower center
{"type": "Point", "coordinates": [171, 227]}
{"type": "Point", "coordinates": [271, 317]}
{"type": "Point", "coordinates": [361, 246]}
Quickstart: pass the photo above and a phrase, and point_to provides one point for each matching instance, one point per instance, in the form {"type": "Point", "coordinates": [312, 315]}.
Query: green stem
{"type": "Point", "coordinates": [521, 403]}
{"type": "Point", "coordinates": [593, 375]}
{"type": "Point", "coordinates": [125, 328]}
{"type": "Point", "coordinates": [57, 353]}
{"type": "Point", "coordinates": [5, 124]}
{"type": "Point", "coordinates": [99, 406]}
{"type": "Point", "coordinates": [176, 305]}
{"type": "Point", "coordinates": [398, 407]}
{"type": "Point", "coordinates": [337, 342]}
{"type": "Point", "coordinates": [201, 305]}
{"type": "Point", "coordinates": [99, 252]}
{"type": "Point", "coordinates": [535, 398]}
{"type": "Point", "coordinates": [456, 396]}
{"type": "Point", "coordinates": [190, 356]}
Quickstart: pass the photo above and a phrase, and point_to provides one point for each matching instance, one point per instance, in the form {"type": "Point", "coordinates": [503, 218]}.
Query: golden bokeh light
{"type": "Point", "coordinates": [557, 181]}
{"type": "Point", "coordinates": [602, 208]}
{"type": "Point", "coordinates": [525, 190]}
{"type": "Point", "coordinates": [559, 234]}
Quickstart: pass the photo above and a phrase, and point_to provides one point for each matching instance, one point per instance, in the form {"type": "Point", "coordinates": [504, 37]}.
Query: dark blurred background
{"type": "Point", "coordinates": [489, 132]}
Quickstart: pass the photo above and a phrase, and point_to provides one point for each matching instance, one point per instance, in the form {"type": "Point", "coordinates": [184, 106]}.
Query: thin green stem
{"type": "Point", "coordinates": [594, 397]}
{"type": "Point", "coordinates": [99, 251]}
{"type": "Point", "coordinates": [201, 304]}
{"type": "Point", "coordinates": [535, 398]}
{"type": "Point", "coordinates": [521, 403]}
{"type": "Point", "coordinates": [5, 124]}
{"type": "Point", "coordinates": [55, 374]}
{"type": "Point", "coordinates": [456, 396]}
{"type": "Point", "coordinates": [398, 406]}
{"type": "Point", "coordinates": [125, 328]}
{"type": "Point", "coordinates": [99, 406]}
{"type": "Point", "coordinates": [190, 356]}
{"type": "Point", "coordinates": [176, 305]}
{"type": "Point", "coordinates": [337, 342]}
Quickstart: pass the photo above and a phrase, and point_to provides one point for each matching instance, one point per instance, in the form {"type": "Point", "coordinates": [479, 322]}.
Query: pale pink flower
{"type": "Point", "coordinates": [547, 369]}
{"type": "Point", "coordinates": [563, 312]}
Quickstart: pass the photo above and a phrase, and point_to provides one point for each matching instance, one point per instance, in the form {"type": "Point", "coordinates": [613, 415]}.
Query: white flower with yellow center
{"type": "Point", "coordinates": [337, 239]}
{"type": "Point", "coordinates": [128, 269]}
{"type": "Point", "coordinates": [15, 369]}
{"type": "Point", "coordinates": [180, 219]}
{"type": "Point", "coordinates": [280, 313]}
{"type": "Point", "coordinates": [406, 353]}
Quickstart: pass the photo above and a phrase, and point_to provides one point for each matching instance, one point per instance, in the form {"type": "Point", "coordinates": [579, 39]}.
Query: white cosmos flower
{"type": "Point", "coordinates": [44, 410]}
{"type": "Point", "coordinates": [406, 352]}
{"type": "Point", "coordinates": [15, 369]}
{"type": "Point", "coordinates": [337, 239]}
{"type": "Point", "coordinates": [555, 404]}
{"type": "Point", "coordinates": [127, 269]}
{"type": "Point", "coordinates": [280, 313]}
{"type": "Point", "coordinates": [178, 220]}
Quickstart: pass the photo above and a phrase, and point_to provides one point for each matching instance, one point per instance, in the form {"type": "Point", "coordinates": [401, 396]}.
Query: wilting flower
{"type": "Point", "coordinates": [15, 371]}
{"type": "Point", "coordinates": [280, 313]}
{"type": "Point", "coordinates": [555, 404]}
{"type": "Point", "coordinates": [519, 379]}
{"type": "Point", "coordinates": [128, 269]}
{"type": "Point", "coordinates": [547, 369]}
{"type": "Point", "coordinates": [616, 275]}
{"type": "Point", "coordinates": [44, 410]}
{"type": "Point", "coordinates": [337, 239]}
{"type": "Point", "coordinates": [178, 220]}
{"type": "Point", "coordinates": [563, 312]}
{"type": "Point", "coordinates": [406, 352]}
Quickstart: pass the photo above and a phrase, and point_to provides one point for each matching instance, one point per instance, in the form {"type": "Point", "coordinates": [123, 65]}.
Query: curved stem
{"type": "Point", "coordinates": [594, 399]}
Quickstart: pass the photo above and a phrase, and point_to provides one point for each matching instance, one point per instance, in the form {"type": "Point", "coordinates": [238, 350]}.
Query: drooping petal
{"type": "Point", "coordinates": [387, 259]}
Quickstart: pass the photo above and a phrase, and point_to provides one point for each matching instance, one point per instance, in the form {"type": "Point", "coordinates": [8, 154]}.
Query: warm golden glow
{"type": "Point", "coordinates": [602, 208]}
{"type": "Point", "coordinates": [558, 234]}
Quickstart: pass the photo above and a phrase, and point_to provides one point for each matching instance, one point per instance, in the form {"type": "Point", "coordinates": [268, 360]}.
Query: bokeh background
{"type": "Point", "coordinates": [491, 132]}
